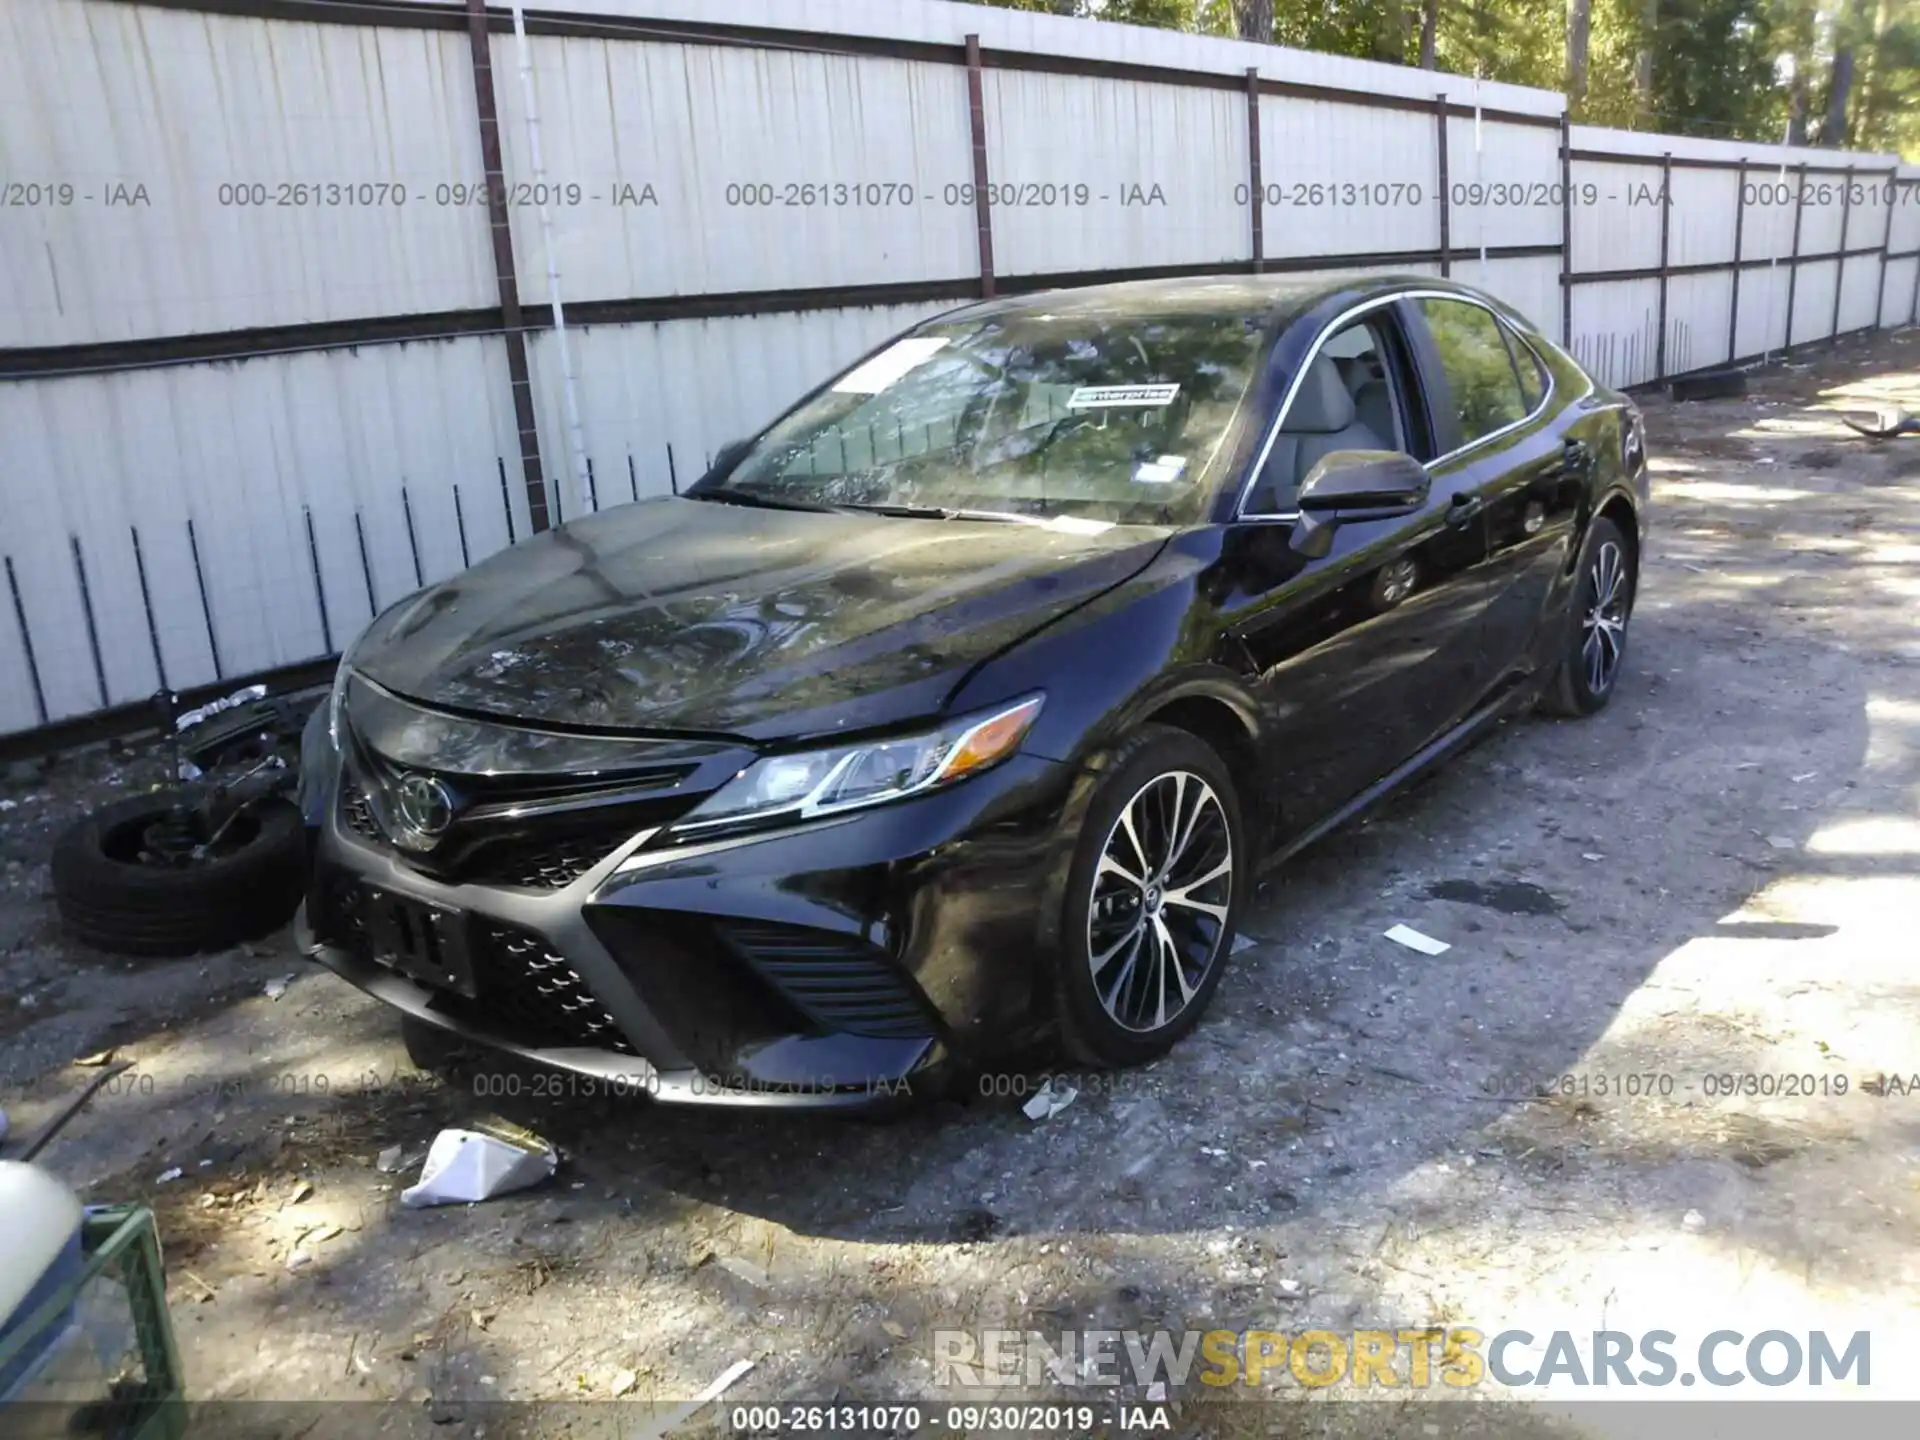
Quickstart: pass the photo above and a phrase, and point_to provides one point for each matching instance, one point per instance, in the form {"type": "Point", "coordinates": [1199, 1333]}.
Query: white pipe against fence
{"type": "Point", "coordinates": [1479, 175]}
{"type": "Point", "coordinates": [576, 435]}
{"type": "Point", "coordinates": [1773, 272]}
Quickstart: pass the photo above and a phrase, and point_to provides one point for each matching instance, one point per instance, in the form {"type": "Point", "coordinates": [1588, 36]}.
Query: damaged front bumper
{"type": "Point", "coordinates": [600, 1071]}
{"type": "Point", "coordinates": [838, 964]}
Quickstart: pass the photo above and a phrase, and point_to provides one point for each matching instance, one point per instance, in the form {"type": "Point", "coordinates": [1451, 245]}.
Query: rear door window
{"type": "Point", "coordinates": [1480, 373]}
{"type": "Point", "coordinates": [1533, 379]}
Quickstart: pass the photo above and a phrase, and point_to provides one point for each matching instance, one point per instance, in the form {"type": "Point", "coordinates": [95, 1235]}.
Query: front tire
{"type": "Point", "coordinates": [1153, 898]}
{"type": "Point", "coordinates": [1594, 647]}
{"type": "Point", "coordinates": [431, 1049]}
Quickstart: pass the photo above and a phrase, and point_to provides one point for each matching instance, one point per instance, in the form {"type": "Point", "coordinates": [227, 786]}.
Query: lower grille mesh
{"type": "Point", "coordinates": [526, 989]}
{"type": "Point", "coordinates": [529, 989]}
{"type": "Point", "coordinates": [337, 914]}
{"type": "Point", "coordinates": [553, 865]}
{"type": "Point", "coordinates": [357, 811]}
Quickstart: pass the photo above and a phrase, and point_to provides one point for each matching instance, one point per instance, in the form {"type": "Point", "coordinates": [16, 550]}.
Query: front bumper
{"type": "Point", "coordinates": [831, 965]}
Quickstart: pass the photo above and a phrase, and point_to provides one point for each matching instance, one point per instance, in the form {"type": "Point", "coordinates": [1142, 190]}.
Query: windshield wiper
{"type": "Point", "coordinates": [946, 512]}
{"type": "Point", "coordinates": [765, 502]}
{"type": "Point", "coordinates": [907, 512]}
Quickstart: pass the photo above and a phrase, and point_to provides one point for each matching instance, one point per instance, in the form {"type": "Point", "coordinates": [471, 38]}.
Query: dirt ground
{"type": "Point", "coordinates": [1718, 877]}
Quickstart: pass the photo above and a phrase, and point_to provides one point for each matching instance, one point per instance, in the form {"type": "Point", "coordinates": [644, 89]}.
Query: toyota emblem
{"type": "Point", "coordinates": [424, 808]}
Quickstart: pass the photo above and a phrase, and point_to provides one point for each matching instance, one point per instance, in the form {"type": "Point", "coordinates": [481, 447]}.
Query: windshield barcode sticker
{"type": "Point", "coordinates": [1121, 397]}
{"type": "Point", "coordinates": [890, 364]}
{"type": "Point", "coordinates": [1162, 471]}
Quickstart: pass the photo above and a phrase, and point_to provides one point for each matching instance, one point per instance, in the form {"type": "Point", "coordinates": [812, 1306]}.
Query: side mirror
{"type": "Point", "coordinates": [730, 455]}
{"type": "Point", "coordinates": [1386, 480]}
{"type": "Point", "coordinates": [1355, 484]}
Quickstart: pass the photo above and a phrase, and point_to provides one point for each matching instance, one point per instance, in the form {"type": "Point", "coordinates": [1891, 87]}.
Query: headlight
{"type": "Point", "coordinates": [845, 777]}
{"type": "Point", "coordinates": [337, 704]}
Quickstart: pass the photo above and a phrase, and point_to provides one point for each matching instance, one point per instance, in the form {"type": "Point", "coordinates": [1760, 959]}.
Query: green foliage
{"type": "Point", "coordinates": [1167, 14]}
{"type": "Point", "coordinates": [1720, 67]}
{"type": "Point", "coordinates": [1713, 69]}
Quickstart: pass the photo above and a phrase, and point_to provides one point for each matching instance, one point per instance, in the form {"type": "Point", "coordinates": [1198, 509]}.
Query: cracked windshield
{"type": "Point", "coordinates": [1110, 418]}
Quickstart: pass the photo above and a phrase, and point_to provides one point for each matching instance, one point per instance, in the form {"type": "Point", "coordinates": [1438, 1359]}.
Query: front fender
{"type": "Point", "coordinates": [1110, 664]}
{"type": "Point", "coordinates": [1149, 644]}
{"type": "Point", "coordinates": [319, 769]}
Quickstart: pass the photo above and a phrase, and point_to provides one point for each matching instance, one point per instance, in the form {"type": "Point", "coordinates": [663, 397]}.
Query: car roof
{"type": "Point", "coordinates": [1283, 297]}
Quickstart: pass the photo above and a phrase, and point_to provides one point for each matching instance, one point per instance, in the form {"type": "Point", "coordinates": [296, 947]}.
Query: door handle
{"type": "Point", "coordinates": [1464, 510]}
{"type": "Point", "coordinates": [1578, 457]}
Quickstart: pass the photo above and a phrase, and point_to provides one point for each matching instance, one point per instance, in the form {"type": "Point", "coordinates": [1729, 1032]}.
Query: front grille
{"type": "Point", "coordinates": [838, 982]}
{"type": "Point", "coordinates": [541, 854]}
{"type": "Point", "coordinates": [356, 811]}
{"type": "Point", "coordinates": [529, 864]}
{"type": "Point", "coordinates": [531, 993]}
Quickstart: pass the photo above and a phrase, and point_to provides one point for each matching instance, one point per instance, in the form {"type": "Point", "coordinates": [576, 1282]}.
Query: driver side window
{"type": "Point", "coordinates": [1348, 399]}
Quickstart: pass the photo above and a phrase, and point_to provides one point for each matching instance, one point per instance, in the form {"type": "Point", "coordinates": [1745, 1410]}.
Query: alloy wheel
{"type": "Point", "coordinates": [1161, 895]}
{"type": "Point", "coordinates": [1396, 581]}
{"type": "Point", "coordinates": [1603, 628]}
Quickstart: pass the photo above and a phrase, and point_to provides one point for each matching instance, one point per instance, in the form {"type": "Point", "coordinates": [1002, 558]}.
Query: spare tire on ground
{"type": "Point", "coordinates": [143, 876]}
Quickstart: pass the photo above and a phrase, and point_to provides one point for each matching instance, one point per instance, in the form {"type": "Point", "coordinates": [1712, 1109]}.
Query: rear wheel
{"type": "Point", "coordinates": [1595, 644]}
{"type": "Point", "coordinates": [1152, 900]}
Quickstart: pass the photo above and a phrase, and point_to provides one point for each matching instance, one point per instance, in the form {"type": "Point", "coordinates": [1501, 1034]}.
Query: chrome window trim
{"type": "Point", "coordinates": [1339, 323]}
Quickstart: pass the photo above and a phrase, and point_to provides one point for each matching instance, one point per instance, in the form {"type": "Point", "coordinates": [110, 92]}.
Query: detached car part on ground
{"type": "Point", "coordinates": [964, 705]}
{"type": "Point", "coordinates": [209, 863]}
{"type": "Point", "coordinates": [1889, 424]}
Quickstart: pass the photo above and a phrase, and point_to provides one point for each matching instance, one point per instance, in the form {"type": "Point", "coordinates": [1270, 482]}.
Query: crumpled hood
{"type": "Point", "coordinates": [694, 616]}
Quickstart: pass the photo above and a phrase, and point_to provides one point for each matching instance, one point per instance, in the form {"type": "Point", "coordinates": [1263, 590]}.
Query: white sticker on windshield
{"type": "Point", "coordinates": [1161, 470]}
{"type": "Point", "coordinates": [889, 365]}
{"type": "Point", "coordinates": [1121, 397]}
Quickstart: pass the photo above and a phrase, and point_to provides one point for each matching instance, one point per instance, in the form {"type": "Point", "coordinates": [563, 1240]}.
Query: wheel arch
{"type": "Point", "coordinates": [1231, 732]}
{"type": "Point", "coordinates": [1618, 507]}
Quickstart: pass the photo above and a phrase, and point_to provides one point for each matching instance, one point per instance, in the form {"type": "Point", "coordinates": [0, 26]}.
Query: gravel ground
{"type": "Point", "coordinates": [1718, 877]}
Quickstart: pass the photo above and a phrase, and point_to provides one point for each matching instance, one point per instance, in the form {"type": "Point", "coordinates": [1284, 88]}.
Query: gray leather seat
{"type": "Point", "coordinates": [1322, 419]}
{"type": "Point", "coordinates": [1373, 407]}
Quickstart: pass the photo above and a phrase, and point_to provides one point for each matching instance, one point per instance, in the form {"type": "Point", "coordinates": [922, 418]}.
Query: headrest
{"type": "Point", "coordinates": [1322, 405]}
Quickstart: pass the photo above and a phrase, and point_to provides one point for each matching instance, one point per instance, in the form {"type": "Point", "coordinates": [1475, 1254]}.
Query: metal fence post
{"type": "Point", "coordinates": [1566, 230]}
{"type": "Point", "coordinates": [1840, 265]}
{"type": "Point", "coordinates": [1793, 258]}
{"type": "Point", "coordinates": [1255, 183]}
{"type": "Point", "coordinates": [982, 205]}
{"type": "Point", "coordinates": [1886, 250]}
{"type": "Point", "coordinates": [1446, 222]}
{"type": "Point", "coordinates": [1666, 229]}
{"type": "Point", "coordinates": [513, 328]}
{"type": "Point", "coordinates": [1739, 233]}
{"type": "Point", "coordinates": [1913, 305]}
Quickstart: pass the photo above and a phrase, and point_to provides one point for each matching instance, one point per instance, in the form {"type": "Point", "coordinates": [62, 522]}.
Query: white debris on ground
{"type": "Point", "coordinates": [465, 1167]}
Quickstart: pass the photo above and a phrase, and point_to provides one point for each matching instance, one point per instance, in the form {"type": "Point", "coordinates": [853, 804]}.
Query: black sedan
{"type": "Point", "coordinates": [961, 708]}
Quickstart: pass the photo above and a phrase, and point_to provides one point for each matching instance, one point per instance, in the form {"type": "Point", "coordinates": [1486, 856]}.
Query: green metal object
{"type": "Point", "coordinates": [121, 1291]}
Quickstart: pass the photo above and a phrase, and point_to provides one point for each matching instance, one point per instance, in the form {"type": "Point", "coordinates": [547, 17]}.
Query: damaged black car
{"type": "Point", "coordinates": [961, 708]}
